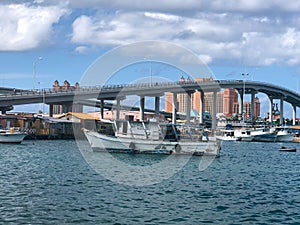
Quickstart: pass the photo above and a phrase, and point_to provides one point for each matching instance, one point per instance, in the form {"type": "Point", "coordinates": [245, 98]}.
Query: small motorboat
{"type": "Point", "coordinates": [285, 149]}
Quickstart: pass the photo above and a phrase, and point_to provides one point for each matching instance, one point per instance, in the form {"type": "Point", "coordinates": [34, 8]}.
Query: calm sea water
{"type": "Point", "coordinates": [49, 182]}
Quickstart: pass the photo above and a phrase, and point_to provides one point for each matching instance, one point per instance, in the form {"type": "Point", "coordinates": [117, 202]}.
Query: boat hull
{"type": "Point", "coordinates": [268, 137]}
{"type": "Point", "coordinates": [245, 138]}
{"type": "Point", "coordinates": [285, 138]}
{"type": "Point", "coordinates": [12, 138]}
{"type": "Point", "coordinates": [121, 144]}
{"type": "Point", "coordinates": [283, 149]}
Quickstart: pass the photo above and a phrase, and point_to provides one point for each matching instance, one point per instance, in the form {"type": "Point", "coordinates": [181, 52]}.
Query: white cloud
{"type": "Point", "coordinates": [81, 50]}
{"type": "Point", "coordinates": [289, 38]}
{"type": "Point", "coordinates": [24, 27]}
{"type": "Point", "coordinates": [188, 6]}
{"type": "Point", "coordinates": [162, 16]}
{"type": "Point", "coordinates": [216, 36]}
{"type": "Point", "coordinates": [251, 32]}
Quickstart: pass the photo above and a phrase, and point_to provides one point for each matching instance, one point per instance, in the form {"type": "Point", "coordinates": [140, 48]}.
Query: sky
{"type": "Point", "coordinates": [261, 38]}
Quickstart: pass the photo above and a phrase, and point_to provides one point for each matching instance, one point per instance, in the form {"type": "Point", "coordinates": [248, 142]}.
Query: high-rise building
{"type": "Point", "coordinates": [68, 106]}
{"type": "Point", "coordinates": [227, 101]}
{"type": "Point", "coordinates": [247, 108]}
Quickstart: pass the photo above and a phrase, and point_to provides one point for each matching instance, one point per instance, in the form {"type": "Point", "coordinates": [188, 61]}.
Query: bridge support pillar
{"type": "Point", "coordinates": [201, 106]}
{"type": "Point", "coordinates": [188, 107]}
{"type": "Point", "coordinates": [281, 111]}
{"type": "Point", "coordinates": [214, 112]}
{"type": "Point", "coordinates": [241, 104]}
{"type": "Point", "coordinates": [77, 107]}
{"type": "Point", "coordinates": [102, 108]}
{"type": "Point", "coordinates": [118, 109]}
{"type": "Point", "coordinates": [252, 106]}
{"type": "Point", "coordinates": [175, 105]}
{"type": "Point", "coordinates": [271, 109]}
{"type": "Point", "coordinates": [157, 101]}
{"type": "Point", "coordinates": [67, 107]}
{"type": "Point", "coordinates": [51, 110]}
{"type": "Point", "coordinates": [142, 108]}
{"type": "Point", "coordinates": [294, 114]}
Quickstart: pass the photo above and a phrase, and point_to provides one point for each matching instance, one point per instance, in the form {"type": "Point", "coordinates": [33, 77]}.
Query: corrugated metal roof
{"type": "Point", "coordinates": [82, 116]}
{"type": "Point", "coordinates": [296, 127]}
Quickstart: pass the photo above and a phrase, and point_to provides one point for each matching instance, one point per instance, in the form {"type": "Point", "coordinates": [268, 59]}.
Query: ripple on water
{"type": "Point", "coordinates": [48, 182]}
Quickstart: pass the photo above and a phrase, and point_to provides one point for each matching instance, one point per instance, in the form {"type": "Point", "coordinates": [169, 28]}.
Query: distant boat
{"type": "Point", "coordinates": [243, 135]}
{"type": "Point", "coordinates": [263, 135]}
{"type": "Point", "coordinates": [226, 135]}
{"type": "Point", "coordinates": [154, 137]}
{"type": "Point", "coordinates": [284, 149]}
{"type": "Point", "coordinates": [11, 136]}
{"type": "Point", "coordinates": [282, 135]}
{"type": "Point", "coordinates": [257, 135]}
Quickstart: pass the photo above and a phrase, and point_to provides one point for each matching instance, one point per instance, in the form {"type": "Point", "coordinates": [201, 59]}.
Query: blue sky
{"type": "Point", "coordinates": [231, 37]}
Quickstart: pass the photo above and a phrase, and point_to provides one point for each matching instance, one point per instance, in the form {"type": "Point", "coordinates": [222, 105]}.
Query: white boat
{"type": "Point", "coordinates": [11, 136]}
{"type": "Point", "coordinates": [256, 134]}
{"type": "Point", "coordinates": [226, 135]}
{"type": "Point", "coordinates": [263, 135]}
{"type": "Point", "coordinates": [282, 135]}
{"type": "Point", "coordinates": [243, 135]}
{"type": "Point", "coordinates": [152, 137]}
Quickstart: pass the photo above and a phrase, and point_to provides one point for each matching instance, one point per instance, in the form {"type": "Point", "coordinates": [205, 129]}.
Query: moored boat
{"type": "Point", "coordinates": [282, 135]}
{"type": "Point", "coordinates": [153, 137]}
{"type": "Point", "coordinates": [263, 135]}
{"type": "Point", "coordinates": [11, 136]}
{"type": "Point", "coordinates": [257, 135]}
{"type": "Point", "coordinates": [243, 135]}
{"type": "Point", "coordinates": [226, 135]}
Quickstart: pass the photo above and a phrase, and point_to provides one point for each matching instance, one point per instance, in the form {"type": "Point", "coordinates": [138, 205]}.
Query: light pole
{"type": "Point", "coordinates": [34, 70]}
{"type": "Point", "coordinates": [150, 73]}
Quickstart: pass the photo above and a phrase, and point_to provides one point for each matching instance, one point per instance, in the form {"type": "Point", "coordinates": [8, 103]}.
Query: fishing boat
{"type": "Point", "coordinates": [227, 135]}
{"type": "Point", "coordinates": [243, 135]}
{"type": "Point", "coordinates": [282, 135]}
{"type": "Point", "coordinates": [257, 135]}
{"type": "Point", "coordinates": [12, 136]}
{"type": "Point", "coordinates": [263, 135]}
{"type": "Point", "coordinates": [154, 137]}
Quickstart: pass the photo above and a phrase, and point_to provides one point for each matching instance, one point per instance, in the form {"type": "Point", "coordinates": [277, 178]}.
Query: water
{"type": "Point", "coordinates": [49, 182]}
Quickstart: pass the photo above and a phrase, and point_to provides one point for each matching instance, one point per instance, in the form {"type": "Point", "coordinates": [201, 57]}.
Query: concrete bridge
{"type": "Point", "coordinates": [10, 97]}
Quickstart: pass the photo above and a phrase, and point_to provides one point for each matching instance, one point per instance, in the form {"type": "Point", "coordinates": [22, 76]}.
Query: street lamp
{"type": "Point", "coordinates": [34, 70]}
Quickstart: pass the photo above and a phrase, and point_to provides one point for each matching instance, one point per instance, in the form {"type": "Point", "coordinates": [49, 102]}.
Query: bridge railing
{"type": "Point", "coordinates": [108, 87]}
{"type": "Point", "coordinates": [259, 83]}
{"type": "Point", "coordinates": [117, 87]}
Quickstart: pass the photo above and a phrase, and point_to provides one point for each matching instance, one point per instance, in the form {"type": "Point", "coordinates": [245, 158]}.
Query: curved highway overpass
{"type": "Point", "coordinates": [273, 91]}
{"type": "Point", "coordinates": [11, 97]}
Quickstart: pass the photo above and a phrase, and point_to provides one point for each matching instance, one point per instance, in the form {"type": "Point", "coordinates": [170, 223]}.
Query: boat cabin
{"type": "Point", "coordinates": [157, 131]}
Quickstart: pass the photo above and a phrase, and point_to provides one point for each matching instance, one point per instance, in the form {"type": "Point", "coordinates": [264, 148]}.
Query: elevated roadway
{"type": "Point", "coordinates": [110, 92]}
{"type": "Point", "coordinates": [12, 97]}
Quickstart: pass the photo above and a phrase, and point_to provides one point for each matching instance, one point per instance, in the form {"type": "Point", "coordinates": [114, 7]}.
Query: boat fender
{"type": "Point", "coordinates": [177, 148]}
{"type": "Point", "coordinates": [132, 146]}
